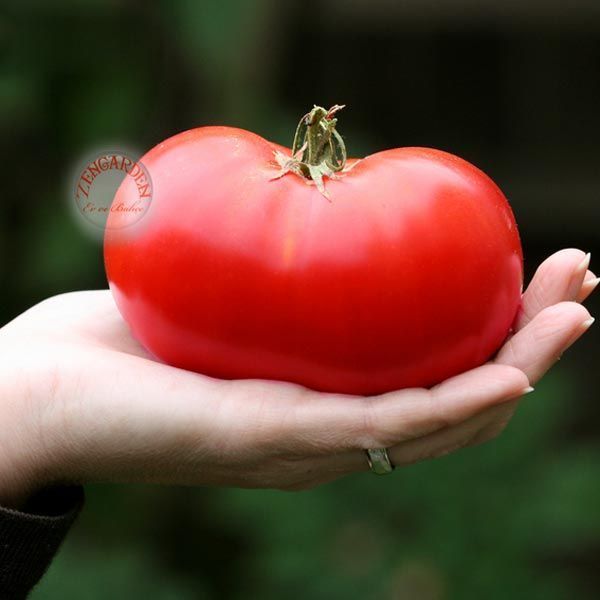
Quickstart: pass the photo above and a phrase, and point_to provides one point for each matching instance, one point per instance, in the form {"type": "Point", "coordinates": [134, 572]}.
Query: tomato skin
{"type": "Point", "coordinates": [410, 273]}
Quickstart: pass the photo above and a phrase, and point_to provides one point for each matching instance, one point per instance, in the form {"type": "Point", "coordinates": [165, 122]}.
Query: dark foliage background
{"type": "Point", "coordinates": [511, 86]}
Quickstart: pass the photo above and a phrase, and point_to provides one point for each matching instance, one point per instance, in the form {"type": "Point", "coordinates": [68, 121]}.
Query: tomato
{"type": "Point", "coordinates": [396, 270]}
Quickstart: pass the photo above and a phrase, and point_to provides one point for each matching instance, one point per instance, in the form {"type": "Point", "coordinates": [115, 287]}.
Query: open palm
{"type": "Point", "coordinates": [83, 401]}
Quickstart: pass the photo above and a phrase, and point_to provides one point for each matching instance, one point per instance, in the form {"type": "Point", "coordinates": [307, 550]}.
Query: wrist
{"type": "Point", "coordinates": [25, 465]}
{"type": "Point", "coordinates": [22, 473]}
{"type": "Point", "coordinates": [18, 477]}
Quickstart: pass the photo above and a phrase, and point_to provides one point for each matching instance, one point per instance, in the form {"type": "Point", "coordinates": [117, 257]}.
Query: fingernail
{"type": "Point", "coordinates": [583, 265]}
{"type": "Point", "coordinates": [523, 392]}
{"type": "Point", "coordinates": [589, 286]}
{"type": "Point", "coordinates": [587, 324]}
{"type": "Point", "coordinates": [583, 327]}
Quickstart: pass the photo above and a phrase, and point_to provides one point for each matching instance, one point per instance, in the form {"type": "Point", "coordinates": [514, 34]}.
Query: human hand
{"type": "Point", "coordinates": [82, 401]}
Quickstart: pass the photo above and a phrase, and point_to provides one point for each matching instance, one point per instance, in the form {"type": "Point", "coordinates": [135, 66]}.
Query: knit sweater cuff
{"type": "Point", "coordinates": [30, 537]}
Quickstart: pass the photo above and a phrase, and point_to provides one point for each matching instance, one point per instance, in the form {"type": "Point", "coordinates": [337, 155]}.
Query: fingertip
{"type": "Point", "coordinates": [575, 255]}
{"type": "Point", "coordinates": [570, 258]}
{"type": "Point", "coordinates": [564, 323]}
{"type": "Point", "coordinates": [590, 283]}
{"type": "Point", "coordinates": [583, 265]}
{"type": "Point", "coordinates": [517, 381]}
{"type": "Point", "coordinates": [578, 276]}
{"type": "Point", "coordinates": [498, 382]}
{"type": "Point", "coordinates": [587, 324]}
{"type": "Point", "coordinates": [480, 389]}
{"type": "Point", "coordinates": [508, 373]}
{"type": "Point", "coordinates": [568, 313]}
{"type": "Point", "coordinates": [536, 347]}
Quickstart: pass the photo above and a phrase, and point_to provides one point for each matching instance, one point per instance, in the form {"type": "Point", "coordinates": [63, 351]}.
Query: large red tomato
{"type": "Point", "coordinates": [397, 270]}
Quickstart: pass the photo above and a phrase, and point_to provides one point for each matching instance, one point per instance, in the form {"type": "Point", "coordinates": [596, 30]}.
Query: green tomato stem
{"type": "Point", "coordinates": [318, 150]}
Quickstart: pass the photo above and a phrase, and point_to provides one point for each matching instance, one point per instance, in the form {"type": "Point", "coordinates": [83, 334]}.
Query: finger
{"type": "Point", "coordinates": [590, 283]}
{"type": "Point", "coordinates": [559, 278]}
{"type": "Point", "coordinates": [476, 430]}
{"type": "Point", "coordinates": [536, 347]}
{"type": "Point", "coordinates": [327, 424]}
{"type": "Point", "coordinates": [479, 429]}
{"type": "Point", "coordinates": [491, 422]}
{"type": "Point", "coordinates": [497, 424]}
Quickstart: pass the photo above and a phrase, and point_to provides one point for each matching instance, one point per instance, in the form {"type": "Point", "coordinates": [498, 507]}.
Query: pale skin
{"type": "Point", "coordinates": [82, 401]}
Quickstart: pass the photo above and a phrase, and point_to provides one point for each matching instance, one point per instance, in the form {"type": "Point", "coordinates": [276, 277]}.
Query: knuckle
{"type": "Point", "coordinates": [371, 431]}
{"type": "Point", "coordinates": [508, 354]}
{"type": "Point", "coordinates": [436, 408]}
{"type": "Point", "coordinates": [368, 427]}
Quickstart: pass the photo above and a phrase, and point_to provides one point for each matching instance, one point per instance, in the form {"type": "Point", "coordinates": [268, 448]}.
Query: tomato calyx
{"type": "Point", "coordinates": [318, 150]}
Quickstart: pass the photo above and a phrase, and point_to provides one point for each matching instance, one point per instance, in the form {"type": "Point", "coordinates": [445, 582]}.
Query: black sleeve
{"type": "Point", "coordinates": [30, 537]}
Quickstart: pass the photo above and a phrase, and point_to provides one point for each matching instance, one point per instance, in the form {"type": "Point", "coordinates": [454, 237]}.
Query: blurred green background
{"type": "Point", "coordinates": [513, 87]}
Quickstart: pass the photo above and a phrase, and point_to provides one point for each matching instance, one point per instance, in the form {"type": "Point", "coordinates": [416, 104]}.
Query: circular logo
{"type": "Point", "coordinates": [95, 191]}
